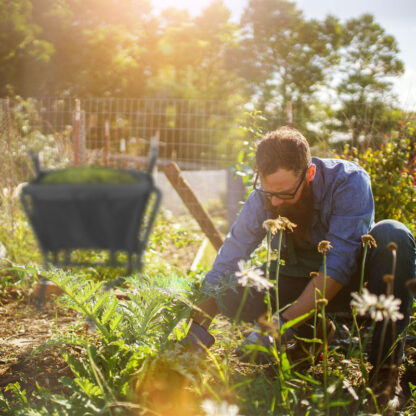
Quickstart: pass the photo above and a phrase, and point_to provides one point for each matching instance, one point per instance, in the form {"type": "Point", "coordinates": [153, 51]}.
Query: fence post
{"type": "Point", "coordinates": [82, 138]}
{"type": "Point", "coordinates": [77, 120]}
{"type": "Point", "coordinates": [289, 114]}
{"type": "Point", "coordinates": [107, 142]}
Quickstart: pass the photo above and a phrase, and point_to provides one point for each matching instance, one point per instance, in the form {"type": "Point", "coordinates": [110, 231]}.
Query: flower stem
{"type": "Point", "coordinates": [268, 301]}
{"type": "Point", "coordinates": [325, 338]}
{"type": "Point", "coordinates": [276, 282]}
{"type": "Point", "coordinates": [363, 267]}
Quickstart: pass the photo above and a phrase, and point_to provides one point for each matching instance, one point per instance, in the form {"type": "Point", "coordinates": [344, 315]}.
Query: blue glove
{"type": "Point", "coordinates": [197, 338]}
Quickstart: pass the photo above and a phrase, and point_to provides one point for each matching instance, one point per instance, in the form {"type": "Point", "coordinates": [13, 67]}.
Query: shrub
{"type": "Point", "coordinates": [393, 179]}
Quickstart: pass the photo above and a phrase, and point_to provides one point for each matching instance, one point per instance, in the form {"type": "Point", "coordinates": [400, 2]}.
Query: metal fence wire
{"type": "Point", "coordinates": [118, 131]}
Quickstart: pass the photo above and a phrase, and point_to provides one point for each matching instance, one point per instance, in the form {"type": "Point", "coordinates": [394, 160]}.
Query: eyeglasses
{"type": "Point", "coordinates": [280, 195]}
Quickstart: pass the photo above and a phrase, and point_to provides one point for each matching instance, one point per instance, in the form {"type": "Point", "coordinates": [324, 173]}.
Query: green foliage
{"type": "Point", "coordinates": [393, 180]}
{"type": "Point", "coordinates": [284, 57]}
{"type": "Point", "coordinates": [254, 129]}
{"type": "Point", "coordinates": [368, 61]}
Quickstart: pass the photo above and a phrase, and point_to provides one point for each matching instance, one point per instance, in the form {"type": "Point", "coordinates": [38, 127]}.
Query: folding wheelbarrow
{"type": "Point", "coordinates": [94, 209]}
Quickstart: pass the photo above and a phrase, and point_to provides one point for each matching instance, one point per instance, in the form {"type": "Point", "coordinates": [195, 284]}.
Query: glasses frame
{"type": "Point", "coordinates": [280, 195]}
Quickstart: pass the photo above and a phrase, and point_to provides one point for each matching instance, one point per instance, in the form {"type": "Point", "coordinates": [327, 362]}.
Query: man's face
{"type": "Point", "coordinates": [299, 209]}
{"type": "Point", "coordinates": [283, 181]}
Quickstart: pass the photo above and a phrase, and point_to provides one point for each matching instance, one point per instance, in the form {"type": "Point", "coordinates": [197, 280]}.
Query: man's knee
{"type": "Point", "coordinates": [388, 231]}
{"type": "Point", "coordinates": [391, 231]}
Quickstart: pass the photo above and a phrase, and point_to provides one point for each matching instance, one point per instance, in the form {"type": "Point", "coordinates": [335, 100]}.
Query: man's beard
{"type": "Point", "coordinates": [299, 213]}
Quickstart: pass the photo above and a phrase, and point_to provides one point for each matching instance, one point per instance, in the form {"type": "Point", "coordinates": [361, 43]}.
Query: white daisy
{"type": "Point", "coordinates": [252, 277]}
{"type": "Point", "coordinates": [379, 307]}
{"type": "Point", "coordinates": [212, 408]}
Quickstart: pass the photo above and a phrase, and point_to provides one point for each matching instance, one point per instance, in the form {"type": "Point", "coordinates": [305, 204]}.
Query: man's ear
{"type": "Point", "coordinates": [310, 174]}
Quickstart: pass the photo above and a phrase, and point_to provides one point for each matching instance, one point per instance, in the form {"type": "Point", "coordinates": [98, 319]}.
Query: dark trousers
{"type": "Point", "coordinates": [378, 263]}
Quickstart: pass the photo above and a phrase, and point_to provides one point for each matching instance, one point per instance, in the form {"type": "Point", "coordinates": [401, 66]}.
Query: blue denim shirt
{"type": "Point", "coordinates": [343, 211]}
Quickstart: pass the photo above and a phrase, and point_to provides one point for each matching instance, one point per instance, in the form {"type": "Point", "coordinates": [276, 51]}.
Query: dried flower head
{"type": "Point", "coordinates": [388, 278]}
{"type": "Point", "coordinates": [392, 246]}
{"type": "Point", "coordinates": [379, 307]}
{"type": "Point", "coordinates": [252, 277]}
{"type": "Point", "coordinates": [273, 226]}
{"type": "Point", "coordinates": [368, 240]}
{"type": "Point", "coordinates": [324, 246]}
{"type": "Point", "coordinates": [213, 408]}
{"type": "Point", "coordinates": [411, 285]}
{"type": "Point", "coordinates": [288, 225]}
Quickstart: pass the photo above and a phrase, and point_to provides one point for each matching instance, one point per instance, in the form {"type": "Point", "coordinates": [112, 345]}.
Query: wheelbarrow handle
{"type": "Point", "coordinates": [36, 162]}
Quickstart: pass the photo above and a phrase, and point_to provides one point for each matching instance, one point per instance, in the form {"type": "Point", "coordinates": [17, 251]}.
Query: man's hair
{"type": "Point", "coordinates": [284, 148]}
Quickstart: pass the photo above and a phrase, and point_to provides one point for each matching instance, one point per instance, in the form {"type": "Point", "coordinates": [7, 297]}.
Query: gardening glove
{"type": "Point", "coordinates": [197, 338]}
{"type": "Point", "coordinates": [257, 337]}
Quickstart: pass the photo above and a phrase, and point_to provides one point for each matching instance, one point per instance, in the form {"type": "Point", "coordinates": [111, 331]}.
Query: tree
{"type": "Point", "coordinates": [369, 57]}
{"type": "Point", "coordinates": [101, 46]}
{"type": "Point", "coordinates": [21, 48]}
{"type": "Point", "coordinates": [284, 57]}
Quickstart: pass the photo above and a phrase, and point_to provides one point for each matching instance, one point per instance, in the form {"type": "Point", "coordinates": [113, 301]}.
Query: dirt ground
{"type": "Point", "coordinates": [22, 330]}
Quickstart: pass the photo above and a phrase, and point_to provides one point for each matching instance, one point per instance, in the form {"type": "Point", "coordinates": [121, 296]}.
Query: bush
{"type": "Point", "coordinates": [393, 179]}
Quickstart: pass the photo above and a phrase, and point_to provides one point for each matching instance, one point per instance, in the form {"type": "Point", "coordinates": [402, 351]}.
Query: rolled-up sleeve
{"type": "Point", "coordinates": [351, 216]}
{"type": "Point", "coordinates": [245, 235]}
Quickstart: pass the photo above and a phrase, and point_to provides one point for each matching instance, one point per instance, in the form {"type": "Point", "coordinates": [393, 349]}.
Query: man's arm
{"type": "Point", "coordinates": [306, 301]}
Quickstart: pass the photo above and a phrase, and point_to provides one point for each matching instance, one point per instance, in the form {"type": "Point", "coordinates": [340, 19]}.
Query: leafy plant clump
{"type": "Point", "coordinates": [393, 180]}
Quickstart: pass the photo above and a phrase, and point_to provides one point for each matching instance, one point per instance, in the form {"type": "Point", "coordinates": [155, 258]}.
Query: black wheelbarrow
{"type": "Point", "coordinates": [91, 208]}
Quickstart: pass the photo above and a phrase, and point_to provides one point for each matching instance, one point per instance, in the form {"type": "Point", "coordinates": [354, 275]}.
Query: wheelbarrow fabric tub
{"type": "Point", "coordinates": [116, 217]}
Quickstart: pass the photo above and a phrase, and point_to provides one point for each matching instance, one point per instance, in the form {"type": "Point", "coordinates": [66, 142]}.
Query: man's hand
{"type": "Point", "coordinates": [306, 300]}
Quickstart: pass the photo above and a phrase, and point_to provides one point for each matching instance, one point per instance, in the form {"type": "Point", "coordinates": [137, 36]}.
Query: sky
{"type": "Point", "coordinates": [397, 17]}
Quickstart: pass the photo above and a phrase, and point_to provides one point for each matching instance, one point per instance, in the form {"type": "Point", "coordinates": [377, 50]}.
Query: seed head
{"type": "Point", "coordinates": [324, 246]}
{"type": "Point", "coordinates": [273, 226]}
{"type": "Point", "coordinates": [368, 240]}
{"type": "Point", "coordinates": [392, 246]}
{"type": "Point", "coordinates": [388, 278]}
{"type": "Point", "coordinates": [411, 285]}
{"type": "Point", "coordinates": [289, 225]}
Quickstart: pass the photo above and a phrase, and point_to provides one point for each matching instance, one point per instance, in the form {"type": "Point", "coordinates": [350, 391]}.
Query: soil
{"type": "Point", "coordinates": [23, 329]}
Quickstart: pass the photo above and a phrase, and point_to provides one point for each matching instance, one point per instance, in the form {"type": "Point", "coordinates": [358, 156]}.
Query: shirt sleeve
{"type": "Point", "coordinates": [351, 216]}
{"type": "Point", "coordinates": [244, 236]}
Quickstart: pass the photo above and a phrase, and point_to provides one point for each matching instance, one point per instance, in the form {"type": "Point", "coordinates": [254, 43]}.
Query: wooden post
{"type": "Point", "coordinates": [188, 197]}
{"type": "Point", "coordinates": [82, 152]}
{"type": "Point", "coordinates": [289, 114]}
{"type": "Point", "coordinates": [77, 120]}
{"type": "Point", "coordinates": [107, 142]}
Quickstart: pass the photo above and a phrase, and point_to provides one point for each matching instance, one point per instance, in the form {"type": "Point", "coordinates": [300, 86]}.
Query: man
{"type": "Point", "coordinates": [328, 199]}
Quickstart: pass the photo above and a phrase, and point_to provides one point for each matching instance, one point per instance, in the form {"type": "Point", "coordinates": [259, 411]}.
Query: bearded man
{"type": "Point", "coordinates": [328, 199]}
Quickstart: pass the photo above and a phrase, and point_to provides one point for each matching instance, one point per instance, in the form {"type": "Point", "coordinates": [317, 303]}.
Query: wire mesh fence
{"type": "Point", "coordinates": [115, 132]}
{"type": "Point", "coordinates": [118, 131]}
